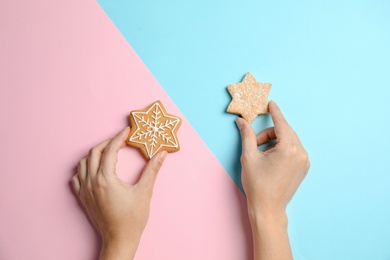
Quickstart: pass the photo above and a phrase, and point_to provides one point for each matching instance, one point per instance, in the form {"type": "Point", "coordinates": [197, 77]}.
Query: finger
{"type": "Point", "coordinates": [82, 170]}
{"type": "Point", "coordinates": [94, 158]}
{"type": "Point", "coordinates": [266, 135]}
{"type": "Point", "coordinates": [269, 148]}
{"type": "Point", "coordinates": [76, 184]}
{"type": "Point", "coordinates": [110, 153]}
{"type": "Point", "coordinates": [248, 136]}
{"type": "Point", "coordinates": [149, 174]}
{"type": "Point", "coordinates": [281, 125]}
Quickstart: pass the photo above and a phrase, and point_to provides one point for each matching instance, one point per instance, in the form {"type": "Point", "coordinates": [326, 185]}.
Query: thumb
{"type": "Point", "coordinates": [149, 174]}
{"type": "Point", "coordinates": [248, 136]}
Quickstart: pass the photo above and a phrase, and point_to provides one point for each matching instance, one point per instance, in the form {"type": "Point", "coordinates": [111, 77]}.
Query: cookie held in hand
{"type": "Point", "coordinates": [249, 98]}
{"type": "Point", "coordinates": [153, 130]}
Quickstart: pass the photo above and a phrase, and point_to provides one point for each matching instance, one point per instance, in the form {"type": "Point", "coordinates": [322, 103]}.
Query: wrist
{"type": "Point", "coordinates": [118, 249]}
{"type": "Point", "coordinates": [267, 217]}
{"type": "Point", "coordinates": [270, 234]}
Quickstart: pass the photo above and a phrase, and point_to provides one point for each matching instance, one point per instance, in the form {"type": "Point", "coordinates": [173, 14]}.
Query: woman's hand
{"type": "Point", "coordinates": [118, 211]}
{"type": "Point", "coordinates": [270, 179]}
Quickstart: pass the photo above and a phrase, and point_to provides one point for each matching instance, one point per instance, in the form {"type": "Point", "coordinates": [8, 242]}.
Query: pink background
{"type": "Point", "coordinates": [68, 80]}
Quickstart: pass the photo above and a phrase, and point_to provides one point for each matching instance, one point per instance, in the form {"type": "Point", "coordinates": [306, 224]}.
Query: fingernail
{"type": "Point", "coordinates": [162, 156]}
{"type": "Point", "coordinates": [239, 122]}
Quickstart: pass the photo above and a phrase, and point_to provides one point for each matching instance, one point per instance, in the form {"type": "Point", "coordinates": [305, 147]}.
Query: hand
{"type": "Point", "coordinates": [271, 178]}
{"type": "Point", "coordinates": [118, 211]}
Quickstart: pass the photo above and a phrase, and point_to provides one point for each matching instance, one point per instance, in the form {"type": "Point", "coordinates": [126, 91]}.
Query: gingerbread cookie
{"type": "Point", "coordinates": [249, 98]}
{"type": "Point", "coordinates": [154, 130]}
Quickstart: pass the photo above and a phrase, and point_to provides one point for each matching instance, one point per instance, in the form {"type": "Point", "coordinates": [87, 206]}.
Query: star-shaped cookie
{"type": "Point", "coordinates": [249, 98]}
{"type": "Point", "coordinates": [154, 130]}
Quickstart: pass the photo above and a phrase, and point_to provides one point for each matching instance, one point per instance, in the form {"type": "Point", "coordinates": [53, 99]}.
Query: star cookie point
{"type": "Point", "coordinates": [153, 130]}
{"type": "Point", "coordinates": [249, 98]}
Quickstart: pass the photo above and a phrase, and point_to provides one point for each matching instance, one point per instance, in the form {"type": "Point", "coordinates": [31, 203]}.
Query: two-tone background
{"type": "Point", "coordinates": [70, 72]}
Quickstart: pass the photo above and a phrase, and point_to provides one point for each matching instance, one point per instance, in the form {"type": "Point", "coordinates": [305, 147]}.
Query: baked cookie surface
{"type": "Point", "coordinates": [249, 98]}
{"type": "Point", "coordinates": [153, 130]}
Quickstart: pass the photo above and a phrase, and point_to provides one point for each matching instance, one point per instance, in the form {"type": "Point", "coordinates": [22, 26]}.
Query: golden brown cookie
{"type": "Point", "coordinates": [249, 98]}
{"type": "Point", "coordinates": [153, 130]}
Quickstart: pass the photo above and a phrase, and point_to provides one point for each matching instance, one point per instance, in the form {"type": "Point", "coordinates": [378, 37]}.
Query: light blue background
{"type": "Point", "coordinates": [329, 63]}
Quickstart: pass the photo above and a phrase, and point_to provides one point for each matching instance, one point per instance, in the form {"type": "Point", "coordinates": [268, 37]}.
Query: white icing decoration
{"type": "Point", "coordinates": [155, 129]}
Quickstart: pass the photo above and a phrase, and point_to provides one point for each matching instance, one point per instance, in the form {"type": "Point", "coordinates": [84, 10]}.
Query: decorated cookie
{"type": "Point", "coordinates": [153, 130]}
{"type": "Point", "coordinates": [249, 98]}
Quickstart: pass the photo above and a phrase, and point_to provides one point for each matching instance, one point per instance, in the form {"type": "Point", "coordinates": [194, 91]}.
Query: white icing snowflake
{"type": "Point", "coordinates": [155, 129]}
